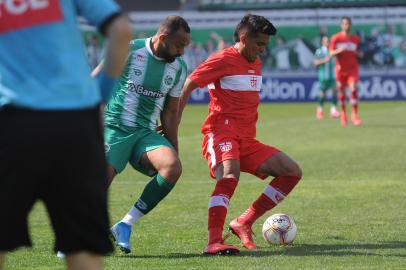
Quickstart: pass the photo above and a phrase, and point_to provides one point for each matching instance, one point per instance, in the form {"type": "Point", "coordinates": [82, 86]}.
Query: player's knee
{"type": "Point", "coordinates": [294, 170]}
{"type": "Point", "coordinates": [298, 171]}
{"type": "Point", "coordinates": [172, 170]}
{"type": "Point", "coordinates": [176, 169]}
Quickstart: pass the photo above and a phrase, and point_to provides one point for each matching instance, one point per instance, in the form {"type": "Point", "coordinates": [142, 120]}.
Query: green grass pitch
{"type": "Point", "coordinates": [349, 206]}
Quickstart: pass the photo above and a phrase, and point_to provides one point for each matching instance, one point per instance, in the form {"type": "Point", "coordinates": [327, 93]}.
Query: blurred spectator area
{"type": "Point", "coordinates": [133, 5]}
{"type": "Point", "coordinates": [382, 31]}
{"type": "Point", "coordinates": [284, 4]}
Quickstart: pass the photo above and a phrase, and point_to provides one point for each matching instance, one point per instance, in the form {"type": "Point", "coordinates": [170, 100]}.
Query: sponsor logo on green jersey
{"type": "Point", "coordinates": [141, 90]}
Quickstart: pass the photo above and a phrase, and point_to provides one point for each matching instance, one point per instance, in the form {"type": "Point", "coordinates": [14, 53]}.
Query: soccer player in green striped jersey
{"type": "Point", "coordinates": [148, 89]}
{"type": "Point", "coordinates": [325, 66]}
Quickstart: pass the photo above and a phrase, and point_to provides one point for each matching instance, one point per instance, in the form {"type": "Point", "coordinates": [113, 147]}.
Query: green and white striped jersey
{"type": "Point", "coordinates": [143, 87]}
{"type": "Point", "coordinates": [325, 71]}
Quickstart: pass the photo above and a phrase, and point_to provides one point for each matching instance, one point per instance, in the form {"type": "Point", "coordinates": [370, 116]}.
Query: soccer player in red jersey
{"type": "Point", "coordinates": [345, 46]}
{"type": "Point", "coordinates": [233, 76]}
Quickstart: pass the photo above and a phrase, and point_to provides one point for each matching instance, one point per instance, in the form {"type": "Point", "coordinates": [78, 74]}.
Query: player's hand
{"type": "Point", "coordinates": [327, 58]}
{"type": "Point", "coordinates": [341, 49]}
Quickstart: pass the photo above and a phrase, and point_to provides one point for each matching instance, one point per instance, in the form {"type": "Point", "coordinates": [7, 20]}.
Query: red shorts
{"type": "Point", "coordinates": [218, 147]}
{"type": "Point", "coordinates": [344, 78]}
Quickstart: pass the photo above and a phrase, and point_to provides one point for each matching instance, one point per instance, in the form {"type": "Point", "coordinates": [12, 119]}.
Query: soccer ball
{"type": "Point", "coordinates": [279, 229]}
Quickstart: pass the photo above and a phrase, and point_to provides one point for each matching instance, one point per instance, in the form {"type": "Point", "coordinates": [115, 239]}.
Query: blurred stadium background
{"type": "Point", "coordinates": [288, 72]}
{"type": "Point", "coordinates": [350, 206]}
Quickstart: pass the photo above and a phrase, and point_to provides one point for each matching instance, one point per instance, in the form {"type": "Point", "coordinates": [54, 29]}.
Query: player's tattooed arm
{"type": "Point", "coordinates": [169, 120]}
{"type": "Point", "coordinates": [188, 87]}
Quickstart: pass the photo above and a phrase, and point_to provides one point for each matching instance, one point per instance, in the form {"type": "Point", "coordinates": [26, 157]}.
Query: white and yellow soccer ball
{"type": "Point", "coordinates": [279, 229]}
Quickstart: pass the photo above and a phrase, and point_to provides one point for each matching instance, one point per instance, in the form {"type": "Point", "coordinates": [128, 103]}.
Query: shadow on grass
{"type": "Point", "coordinates": [356, 249]}
{"type": "Point", "coordinates": [165, 256]}
{"type": "Point", "coordinates": [361, 249]}
{"type": "Point", "coordinates": [385, 126]}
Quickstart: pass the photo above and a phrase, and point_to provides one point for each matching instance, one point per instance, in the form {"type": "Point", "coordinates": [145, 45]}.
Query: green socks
{"type": "Point", "coordinates": [321, 100]}
{"type": "Point", "coordinates": [334, 100]}
{"type": "Point", "coordinates": [154, 192]}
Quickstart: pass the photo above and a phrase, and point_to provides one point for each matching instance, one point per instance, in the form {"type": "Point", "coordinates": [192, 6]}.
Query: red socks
{"type": "Point", "coordinates": [274, 193]}
{"type": "Point", "coordinates": [354, 101]}
{"type": "Point", "coordinates": [218, 205]}
{"type": "Point", "coordinates": [341, 100]}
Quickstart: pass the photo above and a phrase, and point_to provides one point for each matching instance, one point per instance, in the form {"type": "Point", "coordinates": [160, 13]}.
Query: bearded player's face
{"type": "Point", "coordinates": [255, 46]}
{"type": "Point", "coordinates": [174, 46]}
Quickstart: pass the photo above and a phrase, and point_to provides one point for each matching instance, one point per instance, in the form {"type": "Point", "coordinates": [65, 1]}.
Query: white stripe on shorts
{"type": "Point", "coordinates": [210, 149]}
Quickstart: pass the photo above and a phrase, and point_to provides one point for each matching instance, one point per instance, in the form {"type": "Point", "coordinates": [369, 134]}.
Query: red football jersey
{"type": "Point", "coordinates": [348, 59]}
{"type": "Point", "coordinates": [234, 85]}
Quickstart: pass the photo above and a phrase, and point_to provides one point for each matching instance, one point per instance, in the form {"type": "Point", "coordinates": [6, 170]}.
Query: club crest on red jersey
{"type": "Point", "coordinates": [225, 146]}
{"type": "Point", "coordinates": [17, 14]}
{"type": "Point", "coordinates": [253, 82]}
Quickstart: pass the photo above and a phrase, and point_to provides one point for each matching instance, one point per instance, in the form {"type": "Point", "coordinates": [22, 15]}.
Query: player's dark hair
{"type": "Point", "coordinates": [172, 24]}
{"type": "Point", "coordinates": [346, 18]}
{"type": "Point", "coordinates": [254, 24]}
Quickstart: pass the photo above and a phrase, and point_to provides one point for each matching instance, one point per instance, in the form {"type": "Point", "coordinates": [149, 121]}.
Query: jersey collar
{"type": "Point", "coordinates": [148, 46]}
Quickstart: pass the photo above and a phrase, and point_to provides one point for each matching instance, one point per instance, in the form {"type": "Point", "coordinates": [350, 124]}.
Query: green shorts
{"type": "Point", "coordinates": [124, 145]}
{"type": "Point", "coordinates": [327, 84]}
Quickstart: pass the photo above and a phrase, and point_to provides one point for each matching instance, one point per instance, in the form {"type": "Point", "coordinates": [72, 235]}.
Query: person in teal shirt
{"type": "Point", "coordinates": [52, 143]}
{"type": "Point", "coordinates": [325, 67]}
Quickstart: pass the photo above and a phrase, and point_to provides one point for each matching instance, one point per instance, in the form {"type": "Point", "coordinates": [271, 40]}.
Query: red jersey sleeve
{"type": "Point", "coordinates": [209, 71]}
{"type": "Point", "coordinates": [333, 42]}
